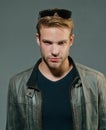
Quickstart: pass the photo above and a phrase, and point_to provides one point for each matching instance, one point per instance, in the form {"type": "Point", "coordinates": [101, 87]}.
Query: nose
{"type": "Point", "coordinates": [55, 50]}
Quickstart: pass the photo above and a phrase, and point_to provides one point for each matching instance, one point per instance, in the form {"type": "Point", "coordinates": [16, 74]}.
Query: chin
{"type": "Point", "coordinates": [55, 67]}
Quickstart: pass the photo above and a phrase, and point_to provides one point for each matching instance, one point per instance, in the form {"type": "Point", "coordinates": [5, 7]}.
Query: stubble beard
{"type": "Point", "coordinates": [52, 65]}
{"type": "Point", "coordinates": [55, 68]}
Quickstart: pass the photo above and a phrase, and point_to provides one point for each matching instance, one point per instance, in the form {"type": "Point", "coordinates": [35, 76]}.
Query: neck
{"type": "Point", "coordinates": [55, 74]}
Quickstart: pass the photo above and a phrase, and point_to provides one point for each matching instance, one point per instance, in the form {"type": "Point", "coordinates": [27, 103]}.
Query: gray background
{"type": "Point", "coordinates": [18, 49]}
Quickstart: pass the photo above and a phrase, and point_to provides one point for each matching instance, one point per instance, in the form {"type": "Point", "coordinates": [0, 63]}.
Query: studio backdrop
{"type": "Point", "coordinates": [18, 48]}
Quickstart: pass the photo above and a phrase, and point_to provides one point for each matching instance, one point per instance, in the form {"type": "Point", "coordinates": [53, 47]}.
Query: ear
{"type": "Point", "coordinates": [38, 39]}
{"type": "Point", "coordinates": [72, 39]}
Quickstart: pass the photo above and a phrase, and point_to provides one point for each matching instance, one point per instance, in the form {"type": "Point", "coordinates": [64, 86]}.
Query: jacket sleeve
{"type": "Point", "coordinates": [17, 114]}
{"type": "Point", "coordinates": [10, 107]}
{"type": "Point", "coordinates": [102, 103]}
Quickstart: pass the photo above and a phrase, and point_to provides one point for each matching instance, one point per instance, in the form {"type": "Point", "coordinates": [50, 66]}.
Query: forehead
{"type": "Point", "coordinates": [55, 32]}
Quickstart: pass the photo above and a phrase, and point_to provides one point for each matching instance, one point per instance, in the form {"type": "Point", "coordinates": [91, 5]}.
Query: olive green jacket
{"type": "Point", "coordinates": [87, 98]}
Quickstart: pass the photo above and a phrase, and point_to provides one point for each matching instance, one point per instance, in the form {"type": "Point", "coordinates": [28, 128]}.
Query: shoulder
{"type": "Point", "coordinates": [21, 77]}
{"type": "Point", "coordinates": [90, 74]}
{"type": "Point", "coordinates": [92, 79]}
{"type": "Point", "coordinates": [87, 70]}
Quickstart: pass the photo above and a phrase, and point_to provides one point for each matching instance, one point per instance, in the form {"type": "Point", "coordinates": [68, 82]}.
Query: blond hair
{"type": "Point", "coordinates": [54, 21]}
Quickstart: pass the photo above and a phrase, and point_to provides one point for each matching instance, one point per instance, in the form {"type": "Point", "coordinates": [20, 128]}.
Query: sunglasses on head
{"type": "Point", "coordinates": [63, 13]}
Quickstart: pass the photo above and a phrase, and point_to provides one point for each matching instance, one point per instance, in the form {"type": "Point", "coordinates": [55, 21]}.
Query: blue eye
{"type": "Point", "coordinates": [47, 42]}
{"type": "Point", "coordinates": [61, 43]}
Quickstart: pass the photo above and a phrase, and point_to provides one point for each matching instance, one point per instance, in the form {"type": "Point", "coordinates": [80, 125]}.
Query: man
{"type": "Point", "coordinates": [57, 94]}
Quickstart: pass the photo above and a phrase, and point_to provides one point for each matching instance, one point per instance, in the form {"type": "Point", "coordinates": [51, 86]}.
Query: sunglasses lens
{"type": "Point", "coordinates": [44, 13]}
{"type": "Point", "coordinates": [64, 14]}
{"type": "Point", "coordinates": [61, 12]}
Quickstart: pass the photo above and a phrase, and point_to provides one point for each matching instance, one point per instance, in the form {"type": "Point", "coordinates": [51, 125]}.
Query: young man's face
{"type": "Point", "coordinates": [54, 45]}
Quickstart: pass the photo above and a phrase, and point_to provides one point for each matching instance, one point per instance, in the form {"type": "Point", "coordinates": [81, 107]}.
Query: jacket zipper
{"type": "Point", "coordinates": [40, 94]}
{"type": "Point", "coordinates": [75, 83]}
{"type": "Point", "coordinates": [41, 111]}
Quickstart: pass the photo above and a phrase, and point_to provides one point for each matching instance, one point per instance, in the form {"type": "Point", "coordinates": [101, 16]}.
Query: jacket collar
{"type": "Point", "coordinates": [32, 81]}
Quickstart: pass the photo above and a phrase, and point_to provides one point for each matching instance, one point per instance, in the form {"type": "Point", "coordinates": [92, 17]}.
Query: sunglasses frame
{"type": "Point", "coordinates": [63, 13]}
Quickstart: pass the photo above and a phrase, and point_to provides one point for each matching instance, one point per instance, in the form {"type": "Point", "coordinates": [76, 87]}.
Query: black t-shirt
{"type": "Point", "coordinates": [56, 106]}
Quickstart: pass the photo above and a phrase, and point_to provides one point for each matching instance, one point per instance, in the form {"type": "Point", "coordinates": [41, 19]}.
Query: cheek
{"type": "Point", "coordinates": [65, 50]}
{"type": "Point", "coordinates": [44, 49]}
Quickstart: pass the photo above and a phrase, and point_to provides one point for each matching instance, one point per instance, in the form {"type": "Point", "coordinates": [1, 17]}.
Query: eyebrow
{"type": "Point", "coordinates": [45, 40]}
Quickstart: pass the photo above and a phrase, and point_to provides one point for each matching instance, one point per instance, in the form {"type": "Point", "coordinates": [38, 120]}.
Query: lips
{"type": "Point", "coordinates": [54, 59]}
